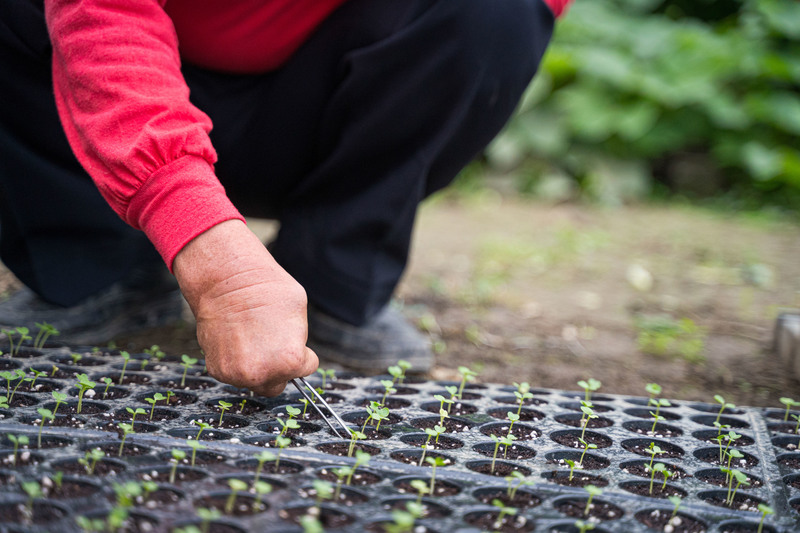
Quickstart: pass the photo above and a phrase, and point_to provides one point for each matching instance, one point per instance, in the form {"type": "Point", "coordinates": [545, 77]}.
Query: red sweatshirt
{"type": "Point", "coordinates": [125, 107]}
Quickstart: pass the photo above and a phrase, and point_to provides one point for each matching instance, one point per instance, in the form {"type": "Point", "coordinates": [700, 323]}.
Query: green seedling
{"type": "Point", "coordinates": [326, 374]}
{"type": "Point", "coordinates": [108, 381]}
{"type": "Point", "coordinates": [654, 450]}
{"type": "Point", "coordinates": [659, 403]}
{"type": "Point", "coordinates": [741, 479]}
{"type": "Point", "coordinates": [53, 371]}
{"type": "Point", "coordinates": [434, 462]}
{"type": "Point", "coordinates": [155, 351]}
{"type": "Point", "coordinates": [126, 429]}
{"type": "Point", "coordinates": [236, 486]}
{"type": "Point", "coordinates": [466, 375]}
{"type": "Point", "coordinates": [442, 402]}
{"type": "Point", "coordinates": [45, 332]}
{"type": "Point", "coordinates": [170, 394]}
{"type": "Point", "coordinates": [433, 433]}
{"type": "Point", "coordinates": [587, 413]}
{"type": "Point", "coordinates": [84, 384]}
{"type": "Point", "coordinates": [59, 398]}
{"type": "Point", "coordinates": [127, 493]}
{"type": "Point", "coordinates": [186, 362]}
{"type": "Point", "coordinates": [397, 373]}
{"type": "Point", "coordinates": [287, 424]}
{"type": "Point", "coordinates": [261, 488]}
{"type": "Point", "coordinates": [593, 491]}
{"type": "Point", "coordinates": [143, 364]}
{"type": "Point", "coordinates": [734, 454]}
{"type": "Point", "coordinates": [571, 465]}
{"type": "Point", "coordinates": [76, 357]}
{"type": "Point", "coordinates": [404, 521]}
{"type": "Point", "coordinates": [789, 403]}
{"type": "Point", "coordinates": [34, 491]}
{"type": "Point", "coordinates": [126, 357]}
{"type": "Point", "coordinates": [134, 412]}
{"type": "Point", "coordinates": [202, 425]}
{"type": "Point", "coordinates": [404, 366]}
{"type": "Point", "coordinates": [90, 524]}
{"type": "Point", "coordinates": [89, 460]}
{"type": "Point", "coordinates": [23, 336]}
{"type": "Point", "coordinates": [281, 443]}
{"type": "Point", "coordinates": [421, 487]}
{"type": "Point", "coordinates": [207, 516]}
{"type": "Point", "coordinates": [354, 437]}
{"type": "Point", "coordinates": [177, 457]}
{"type": "Point", "coordinates": [157, 397]}
{"type": "Point", "coordinates": [19, 376]}
{"type": "Point", "coordinates": [311, 524]}
{"type": "Point", "coordinates": [658, 467]}
{"type": "Point", "coordinates": [376, 412]}
{"type": "Point", "coordinates": [3, 402]}
{"type": "Point", "coordinates": [723, 405]}
{"type": "Point", "coordinates": [589, 386]}
{"type": "Point", "coordinates": [36, 375]}
{"type": "Point", "coordinates": [46, 414]}
{"type": "Point", "coordinates": [728, 439]}
{"type": "Point", "coordinates": [194, 445]}
{"type": "Point", "coordinates": [388, 386]}
{"type": "Point", "coordinates": [293, 412]}
{"type": "Point", "coordinates": [342, 473]}
{"type": "Point", "coordinates": [765, 510]}
{"type": "Point", "coordinates": [676, 503]}
{"type": "Point", "coordinates": [586, 447]}
{"type": "Point", "coordinates": [18, 441]}
{"type": "Point", "coordinates": [323, 490]}
{"type": "Point", "coordinates": [523, 394]}
{"type": "Point", "coordinates": [583, 527]}
{"type": "Point", "coordinates": [261, 458]}
{"type": "Point", "coordinates": [512, 419]}
{"type": "Point", "coordinates": [223, 406]}
{"type": "Point", "coordinates": [58, 479]}
{"type": "Point", "coordinates": [797, 425]}
{"type": "Point", "coordinates": [521, 481]}
{"type": "Point", "coordinates": [244, 402]}
{"type": "Point", "coordinates": [504, 511]}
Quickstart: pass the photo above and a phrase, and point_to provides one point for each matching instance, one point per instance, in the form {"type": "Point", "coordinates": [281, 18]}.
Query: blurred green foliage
{"type": "Point", "coordinates": [698, 96]}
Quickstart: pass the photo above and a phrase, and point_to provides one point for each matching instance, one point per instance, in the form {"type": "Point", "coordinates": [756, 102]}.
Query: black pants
{"type": "Point", "coordinates": [383, 105]}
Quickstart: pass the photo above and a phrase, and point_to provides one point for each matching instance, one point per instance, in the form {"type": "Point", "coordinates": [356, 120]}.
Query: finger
{"type": "Point", "coordinates": [309, 366]}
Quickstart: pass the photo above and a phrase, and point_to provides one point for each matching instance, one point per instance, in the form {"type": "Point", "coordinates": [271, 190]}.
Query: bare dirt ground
{"type": "Point", "coordinates": [523, 291]}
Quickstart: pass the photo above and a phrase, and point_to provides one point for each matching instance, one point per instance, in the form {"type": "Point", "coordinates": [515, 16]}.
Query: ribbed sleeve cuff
{"type": "Point", "coordinates": [177, 203]}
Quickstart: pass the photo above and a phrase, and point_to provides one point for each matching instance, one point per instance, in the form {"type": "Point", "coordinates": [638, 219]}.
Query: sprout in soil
{"type": "Point", "coordinates": [262, 457]}
{"type": "Point", "coordinates": [53, 371]}
{"type": "Point", "coordinates": [520, 479]}
{"type": "Point", "coordinates": [45, 332]}
{"type": "Point", "coordinates": [237, 486]}
{"type": "Point", "coordinates": [404, 521]}
{"type": "Point", "coordinates": [355, 436]}
{"type": "Point", "coordinates": [434, 462]}
{"type": "Point", "coordinates": [311, 524]}
{"type": "Point", "coordinates": [194, 445]}
{"type": "Point", "coordinates": [224, 406]}
{"type": "Point", "coordinates": [3, 402]}
{"type": "Point", "coordinates": [108, 381]}
{"type": "Point", "coordinates": [506, 442]}
{"type": "Point", "coordinates": [261, 488]}
{"type": "Point", "coordinates": [324, 491]}
{"type": "Point", "coordinates": [421, 487]}
{"type": "Point", "coordinates": [733, 454]}
{"type": "Point", "coordinates": [170, 394]}
{"type": "Point", "coordinates": [723, 405]}
{"type": "Point", "coordinates": [765, 510]}
{"type": "Point", "coordinates": [326, 374]}
{"type": "Point", "coordinates": [177, 457]}
{"type": "Point", "coordinates": [797, 425]}
{"type": "Point", "coordinates": [741, 479]}
{"type": "Point", "coordinates": [659, 467]}
{"type": "Point", "coordinates": [654, 450]}
{"type": "Point", "coordinates": [90, 524]}
{"type": "Point", "coordinates": [583, 527]}
{"type": "Point", "coordinates": [33, 490]}
{"type": "Point", "coordinates": [143, 364]}
{"type": "Point", "coordinates": [23, 336]}
{"type": "Point", "coordinates": [134, 412]}
{"type": "Point", "coordinates": [290, 423]}
{"type": "Point", "coordinates": [442, 401]}
{"type": "Point", "coordinates": [728, 439]}
{"type": "Point", "coordinates": [659, 403]}
{"type": "Point", "coordinates": [571, 464]}
{"type": "Point", "coordinates": [589, 386]}
{"type": "Point", "coordinates": [157, 397]}
{"type": "Point", "coordinates": [36, 375]}
{"type": "Point", "coordinates": [46, 414]}
{"type": "Point", "coordinates": [587, 414]}
{"type": "Point", "coordinates": [18, 375]}
{"type": "Point", "coordinates": [125, 357]}
{"type": "Point", "coordinates": [466, 375]}
{"type": "Point", "coordinates": [84, 384]}
{"type": "Point", "coordinates": [18, 441]}
{"type": "Point", "coordinates": [388, 386]}
{"type": "Point", "coordinates": [376, 412]}
{"type": "Point", "coordinates": [186, 362]}
{"type": "Point", "coordinates": [522, 394]}
{"type": "Point", "coordinates": [243, 402]}
{"type": "Point", "coordinates": [586, 447]}
{"type": "Point", "coordinates": [789, 403]}
{"type": "Point", "coordinates": [203, 426]}
{"type": "Point", "coordinates": [125, 428]}
{"type": "Point", "coordinates": [75, 357]}
{"type": "Point", "coordinates": [206, 516]}
{"type": "Point", "coordinates": [281, 443]}
{"type": "Point", "coordinates": [593, 491]}
{"type": "Point", "coordinates": [89, 460]}
{"type": "Point", "coordinates": [154, 351]}
{"type": "Point", "coordinates": [504, 511]}
{"type": "Point", "coordinates": [433, 433]}
{"type": "Point", "coordinates": [676, 502]}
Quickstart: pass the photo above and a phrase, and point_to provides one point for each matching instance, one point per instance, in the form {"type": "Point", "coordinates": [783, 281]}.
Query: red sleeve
{"type": "Point", "coordinates": [125, 109]}
{"type": "Point", "coordinates": [558, 7]}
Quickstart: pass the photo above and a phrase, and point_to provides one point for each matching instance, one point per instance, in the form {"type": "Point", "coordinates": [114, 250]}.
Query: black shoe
{"type": "Point", "coordinates": [371, 348]}
{"type": "Point", "coordinates": [145, 299]}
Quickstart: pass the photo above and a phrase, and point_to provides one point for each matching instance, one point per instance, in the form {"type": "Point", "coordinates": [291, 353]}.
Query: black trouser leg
{"type": "Point", "coordinates": [57, 234]}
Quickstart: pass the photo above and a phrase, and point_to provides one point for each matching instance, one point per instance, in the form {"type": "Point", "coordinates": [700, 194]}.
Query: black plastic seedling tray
{"type": "Point", "coordinates": [546, 438]}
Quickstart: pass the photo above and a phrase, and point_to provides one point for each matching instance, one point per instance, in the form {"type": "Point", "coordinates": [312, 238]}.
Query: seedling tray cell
{"type": "Point", "coordinates": [466, 483]}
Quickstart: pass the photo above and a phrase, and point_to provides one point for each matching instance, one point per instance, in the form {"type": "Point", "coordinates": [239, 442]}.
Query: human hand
{"type": "Point", "coordinates": [251, 314]}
